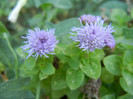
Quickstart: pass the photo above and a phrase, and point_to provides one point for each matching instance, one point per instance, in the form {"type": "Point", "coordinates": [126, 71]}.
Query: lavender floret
{"type": "Point", "coordinates": [93, 35]}
{"type": "Point", "coordinates": [40, 42]}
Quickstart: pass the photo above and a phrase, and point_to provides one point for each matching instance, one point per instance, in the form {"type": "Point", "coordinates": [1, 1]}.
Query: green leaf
{"type": "Point", "coordinates": [124, 85]}
{"type": "Point", "coordinates": [132, 13]}
{"type": "Point", "coordinates": [98, 54]}
{"type": "Point", "coordinates": [74, 56]}
{"type": "Point", "coordinates": [26, 72]}
{"type": "Point", "coordinates": [6, 55]}
{"type": "Point", "coordinates": [113, 64]}
{"type": "Point", "coordinates": [48, 25]}
{"type": "Point", "coordinates": [6, 51]}
{"type": "Point", "coordinates": [37, 3]}
{"type": "Point", "coordinates": [21, 53]}
{"type": "Point", "coordinates": [51, 14]}
{"type": "Point", "coordinates": [91, 67]}
{"type": "Point", "coordinates": [126, 81]}
{"type": "Point", "coordinates": [74, 62]}
{"type": "Point", "coordinates": [103, 91]}
{"type": "Point", "coordinates": [114, 4]}
{"type": "Point", "coordinates": [58, 94]}
{"type": "Point", "coordinates": [30, 63]}
{"type": "Point", "coordinates": [73, 94]}
{"type": "Point", "coordinates": [2, 30]}
{"type": "Point", "coordinates": [111, 4]}
{"type": "Point", "coordinates": [36, 20]}
{"type": "Point", "coordinates": [72, 50]}
{"type": "Point", "coordinates": [109, 96]}
{"type": "Point", "coordinates": [46, 70]}
{"type": "Point", "coordinates": [59, 80]}
{"type": "Point", "coordinates": [42, 60]}
{"type": "Point", "coordinates": [117, 15]}
{"type": "Point", "coordinates": [127, 32]}
{"type": "Point", "coordinates": [128, 60]}
{"type": "Point", "coordinates": [74, 78]}
{"type": "Point", "coordinates": [126, 37]}
{"type": "Point", "coordinates": [126, 96]}
{"type": "Point", "coordinates": [61, 53]}
{"type": "Point", "coordinates": [125, 41]}
{"type": "Point", "coordinates": [63, 29]}
{"type": "Point", "coordinates": [65, 4]}
{"type": "Point", "coordinates": [46, 84]}
{"type": "Point", "coordinates": [14, 89]}
{"type": "Point", "coordinates": [106, 77]}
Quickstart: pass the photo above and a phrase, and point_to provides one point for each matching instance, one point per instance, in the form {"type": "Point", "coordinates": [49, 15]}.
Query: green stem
{"type": "Point", "coordinates": [38, 91]}
{"type": "Point", "coordinates": [14, 54]}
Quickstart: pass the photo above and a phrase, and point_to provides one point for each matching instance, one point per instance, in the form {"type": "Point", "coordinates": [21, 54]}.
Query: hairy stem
{"type": "Point", "coordinates": [38, 91]}
{"type": "Point", "coordinates": [14, 54]}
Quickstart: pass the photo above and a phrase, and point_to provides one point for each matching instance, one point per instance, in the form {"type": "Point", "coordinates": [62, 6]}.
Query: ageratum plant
{"type": "Point", "coordinates": [90, 37]}
{"type": "Point", "coordinates": [93, 35]}
{"type": "Point", "coordinates": [76, 58]}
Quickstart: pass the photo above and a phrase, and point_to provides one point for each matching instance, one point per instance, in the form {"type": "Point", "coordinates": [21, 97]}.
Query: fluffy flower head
{"type": "Point", "coordinates": [40, 42]}
{"type": "Point", "coordinates": [93, 35]}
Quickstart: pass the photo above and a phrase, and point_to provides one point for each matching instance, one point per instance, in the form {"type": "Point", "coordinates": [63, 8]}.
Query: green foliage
{"type": "Point", "coordinates": [2, 67]}
{"type": "Point", "coordinates": [110, 96]}
{"type": "Point", "coordinates": [2, 30]}
{"type": "Point", "coordinates": [128, 60]}
{"type": "Point", "coordinates": [113, 64]}
{"type": "Point", "coordinates": [37, 19]}
{"type": "Point", "coordinates": [117, 15]}
{"type": "Point", "coordinates": [126, 81]}
{"type": "Point", "coordinates": [126, 96]}
{"type": "Point", "coordinates": [98, 54]}
{"type": "Point", "coordinates": [106, 76]}
{"type": "Point", "coordinates": [65, 4]}
{"type": "Point", "coordinates": [74, 62]}
{"type": "Point", "coordinates": [126, 37]}
{"type": "Point", "coordinates": [91, 67]}
{"type": "Point", "coordinates": [74, 78]}
{"type": "Point", "coordinates": [59, 80]}
{"type": "Point", "coordinates": [60, 52]}
{"type": "Point", "coordinates": [74, 56]}
{"type": "Point", "coordinates": [14, 89]}
{"type": "Point", "coordinates": [5, 52]}
{"type": "Point", "coordinates": [58, 94]}
{"type": "Point", "coordinates": [46, 70]}
{"type": "Point", "coordinates": [30, 63]}
{"type": "Point", "coordinates": [4, 9]}
{"type": "Point", "coordinates": [132, 13]}
{"type": "Point", "coordinates": [66, 73]}
{"type": "Point", "coordinates": [63, 29]}
{"type": "Point", "coordinates": [6, 55]}
{"type": "Point", "coordinates": [127, 32]}
{"type": "Point", "coordinates": [112, 4]}
{"type": "Point", "coordinates": [73, 94]}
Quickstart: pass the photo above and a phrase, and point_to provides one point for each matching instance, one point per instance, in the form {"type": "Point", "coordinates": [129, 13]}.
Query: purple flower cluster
{"type": "Point", "coordinates": [93, 35]}
{"type": "Point", "coordinates": [90, 36]}
{"type": "Point", "coordinates": [40, 42]}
